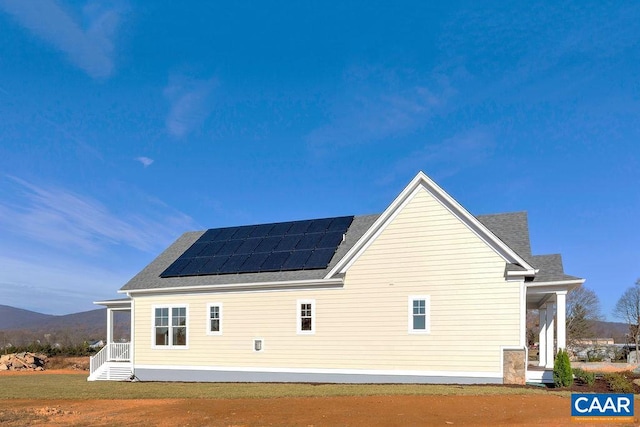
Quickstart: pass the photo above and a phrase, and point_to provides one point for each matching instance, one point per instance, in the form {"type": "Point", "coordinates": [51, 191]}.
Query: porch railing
{"type": "Point", "coordinates": [113, 352]}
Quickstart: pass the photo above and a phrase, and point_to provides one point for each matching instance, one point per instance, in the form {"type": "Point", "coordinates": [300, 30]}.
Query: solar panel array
{"type": "Point", "coordinates": [283, 246]}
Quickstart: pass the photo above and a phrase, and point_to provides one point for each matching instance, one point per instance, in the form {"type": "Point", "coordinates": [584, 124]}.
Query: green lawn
{"type": "Point", "coordinates": [77, 387]}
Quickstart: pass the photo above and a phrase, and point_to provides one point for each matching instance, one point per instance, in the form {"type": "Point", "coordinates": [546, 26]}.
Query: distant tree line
{"type": "Point", "coordinates": [50, 350]}
{"type": "Point", "coordinates": [65, 342]}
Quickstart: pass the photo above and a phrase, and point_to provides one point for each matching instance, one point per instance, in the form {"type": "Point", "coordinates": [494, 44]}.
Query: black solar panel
{"type": "Point", "coordinates": [233, 264]}
{"type": "Point", "coordinates": [296, 258]}
{"type": "Point", "coordinates": [309, 241]}
{"type": "Point", "coordinates": [299, 227]}
{"type": "Point", "coordinates": [285, 246]}
{"type": "Point", "coordinates": [214, 265]}
{"type": "Point", "coordinates": [319, 258]}
{"type": "Point", "coordinates": [254, 262]}
{"type": "Point", "coordinates": [248, 246]}
{"type": "Point", "coordinates": [242, 232]}
{"type": "Point", "coordinates": [288, 243]}
{"type": "Point", "coordinates": [211, 249]}
{"type": "Point", "coordinates": [193, 268]}
{"type": "Point", "coordinates": [274, 261]}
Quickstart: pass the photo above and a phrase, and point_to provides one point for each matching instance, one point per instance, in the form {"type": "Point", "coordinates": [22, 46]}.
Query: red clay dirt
{"type": "Point", "coordinates": [504, 410]}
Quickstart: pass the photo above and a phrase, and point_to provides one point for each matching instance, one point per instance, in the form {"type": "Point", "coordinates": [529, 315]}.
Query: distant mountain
{"type": "Point", "coordinates": [21, 327]}
{"type": "Point", "coordinates": [11, 317]}
{"type": "Point", "coordinates": [615, 330]}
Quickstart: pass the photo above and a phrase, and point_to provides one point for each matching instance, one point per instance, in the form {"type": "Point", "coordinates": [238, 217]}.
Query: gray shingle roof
{"type": "Point", "coordinates": [551, 269]}
{"type": "Point", "coordinates": [511, 228]}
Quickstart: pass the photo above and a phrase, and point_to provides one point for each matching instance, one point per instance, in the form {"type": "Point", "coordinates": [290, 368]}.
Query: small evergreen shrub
{"type": "Point", "coordinates": [585, 377]}
{"type": "Point", "coordinates": [618, 383]}
{"type": "Point", "coordinates": [562, 375]}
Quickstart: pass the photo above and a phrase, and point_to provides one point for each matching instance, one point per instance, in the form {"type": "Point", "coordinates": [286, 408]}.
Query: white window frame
{"type": "Point", "coordinates": [220, 317]}
{"type": "Point", "coordinates": [299, 303]}
{"type": "Point", "coordinates": [170, 345]}
{"type": "Point", "coordinates": [427, 314]}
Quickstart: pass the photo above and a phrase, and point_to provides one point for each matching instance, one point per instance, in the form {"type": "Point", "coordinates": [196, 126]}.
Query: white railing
{"type": "Point", "coordinates": [118, 351]}
{"type": "Point", "coordinates": [113, 352]}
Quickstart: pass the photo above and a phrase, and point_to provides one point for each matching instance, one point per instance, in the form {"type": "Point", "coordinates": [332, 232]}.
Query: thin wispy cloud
{"type": "Point", "coordinates": [378, 104]}
{"type": "Point", "coordinates": [449, 156]}
{"type": "Point", "coordinates": [61, 218]}
{"type": "Point", "coordinates": [552, 52]}
{"type": "Point", "coordinates": [44, 278]}
{"type": "Point", "coordinates": [146, 162]}
{"type": "Point", "coordinates": [191, 102]}
{"type": "Point", "coordinates": [88, 44]}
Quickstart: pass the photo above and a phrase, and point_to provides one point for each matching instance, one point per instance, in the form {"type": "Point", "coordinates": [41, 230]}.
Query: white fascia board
{"type": "Point", "coordinates": [552, 287]}
{"type": "Point", "coordinates": [559, 283]}
{"type": "Point", "coordinates": [114, 303]}
{"type": "Point", "coordinates": [421, 180]}
{"type": "Point", "coordinates": [301, 284]}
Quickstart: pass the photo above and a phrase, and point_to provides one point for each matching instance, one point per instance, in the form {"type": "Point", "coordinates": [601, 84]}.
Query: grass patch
{"type": "Point", "coordinates": [69, 386]}
{"type": "Point", "coordinates": [20, 418]}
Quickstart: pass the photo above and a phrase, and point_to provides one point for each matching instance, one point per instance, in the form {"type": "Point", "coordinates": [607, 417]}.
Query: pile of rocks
{"type": "Point", "coordinates": [22, 362]}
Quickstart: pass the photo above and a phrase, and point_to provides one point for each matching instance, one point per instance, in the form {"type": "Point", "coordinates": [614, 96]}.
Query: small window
{"type": "Point", "coordinates": [419, 314]}
{"type": "Point", "coordinates": [306, 316]}
{"type": "Point", "coordinates": [214, 319]}
{"type": "Point", "coordinates": [170, 326]}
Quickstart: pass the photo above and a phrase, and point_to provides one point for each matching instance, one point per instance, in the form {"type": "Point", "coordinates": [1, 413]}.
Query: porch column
{"type": "Point", "coordinates": [109, 326]}
{"type": "Point", "coordinates": [561, 318]}
{"type": "Point", "coordinates": [109, 332]}
{"type": "Point", "coordinates": [542, 337]}
{"type": "Point", "coordinates": [549, 336]}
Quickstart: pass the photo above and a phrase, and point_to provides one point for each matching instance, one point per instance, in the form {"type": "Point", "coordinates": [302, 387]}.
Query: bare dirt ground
{"type": "Point", "coordinates": [505, 410]}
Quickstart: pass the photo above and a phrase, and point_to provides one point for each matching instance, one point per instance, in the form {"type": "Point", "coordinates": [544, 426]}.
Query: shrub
{"type": "Point", "coordinates": [585, 377]}
{"type": "Point", "coordinates": [618, 383]}
{"type": "Point", "coordinates": [562, 375]}
{"type": "Point", "coordinates": [594, 356]}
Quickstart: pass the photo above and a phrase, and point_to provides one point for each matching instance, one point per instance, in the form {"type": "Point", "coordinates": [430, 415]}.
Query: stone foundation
{"type": "Point", "coordinates": [514, 367]}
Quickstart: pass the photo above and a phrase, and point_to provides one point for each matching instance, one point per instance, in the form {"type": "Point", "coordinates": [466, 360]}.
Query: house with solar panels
{"type": "Point", "coordinates": [424, 292]}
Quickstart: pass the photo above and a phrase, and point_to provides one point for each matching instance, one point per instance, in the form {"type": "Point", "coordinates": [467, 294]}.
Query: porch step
{"type": "Point", "coordinates": [542, 376]}
{"type": "Point", "coordinates": [112, 371]}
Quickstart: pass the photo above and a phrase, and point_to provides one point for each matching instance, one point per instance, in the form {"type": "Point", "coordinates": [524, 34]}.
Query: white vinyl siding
{"type": "Point", "coordinates": [424, 251]}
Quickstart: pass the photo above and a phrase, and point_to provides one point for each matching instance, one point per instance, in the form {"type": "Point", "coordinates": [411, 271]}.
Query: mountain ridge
{"type": "Point", "coordinates": [21, 327]}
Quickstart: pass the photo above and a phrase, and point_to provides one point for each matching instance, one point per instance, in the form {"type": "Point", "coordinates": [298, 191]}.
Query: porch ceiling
{"type": "Point", "coordinates": [540, 293]}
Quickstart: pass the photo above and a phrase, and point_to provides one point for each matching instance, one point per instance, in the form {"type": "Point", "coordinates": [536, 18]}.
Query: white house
{"type": "Point", "coordinates": [424, 292]}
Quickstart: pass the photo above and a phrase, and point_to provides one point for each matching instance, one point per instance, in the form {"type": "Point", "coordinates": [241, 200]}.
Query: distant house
{"type": "Point", "coordinates": [96, 344]}
{"type": "Point", "coordinates": [424, 292]}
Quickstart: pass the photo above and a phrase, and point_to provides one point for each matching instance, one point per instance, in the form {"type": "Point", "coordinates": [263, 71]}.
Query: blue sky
{"type": "Point", "coordinates": [125, 123]}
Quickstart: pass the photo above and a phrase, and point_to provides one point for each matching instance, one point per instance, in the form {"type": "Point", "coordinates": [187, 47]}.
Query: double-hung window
{"type": "Point", "coordinates": [419, 313]}
{"type": "Point", "coordinates": [170, 326]}
{"type": "Point", "coordinates": [306, 317]}
{"type": "Point", "coordinates": [214, 319]}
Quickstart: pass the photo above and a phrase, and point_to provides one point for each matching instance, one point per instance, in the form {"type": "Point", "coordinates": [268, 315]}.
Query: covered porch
{"type": "Point", "coordinates": [114, 360]}
{"type": "Point", "coordinates": [549, 299]}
